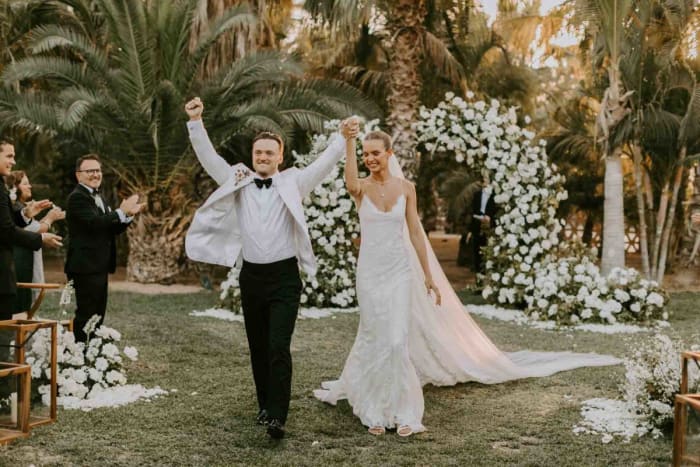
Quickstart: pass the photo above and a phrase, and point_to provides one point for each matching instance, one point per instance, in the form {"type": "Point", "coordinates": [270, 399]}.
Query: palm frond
{"type": "Point", "coordinates": [234, 18]}
{"type": "Point", "coordinates": [52, 36]}
{"type": "Point", "coordinates": [53, 68]}
{"type": "Point", "coordinates": [440, 56]}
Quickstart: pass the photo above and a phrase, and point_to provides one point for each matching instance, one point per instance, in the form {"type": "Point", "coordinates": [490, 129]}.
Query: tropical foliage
{"type": "Point", "coordinates": [115, 79]}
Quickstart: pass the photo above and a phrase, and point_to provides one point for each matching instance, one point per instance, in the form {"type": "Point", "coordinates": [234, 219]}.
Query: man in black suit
{"type": "Point", "coordinates": [483, 220]}
{"type": "Point", "coordinates": [12, 235]}
{"type": "Point", "coordinates": [92, 253]}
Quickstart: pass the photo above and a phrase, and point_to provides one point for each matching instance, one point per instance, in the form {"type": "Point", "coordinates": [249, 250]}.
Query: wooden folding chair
{"type": "Point", "coordinates": [29, 314]}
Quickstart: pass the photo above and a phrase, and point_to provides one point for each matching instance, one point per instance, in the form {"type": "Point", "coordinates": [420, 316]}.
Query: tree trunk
{"type": "Point", "coordinates": [659, 227]}
{"type": "Point", "coordinates": [613, 109]}
{"type": "Point", "coordinates": [405, 82]}
{"type": "Point", "coordinates": [157, 238]}
{"type": "Point", "coordinates": [641, 211]}
{"type": "Point", "coordinates": [670, 215]}
{"type": "Point", "coordinates": [613, 216]}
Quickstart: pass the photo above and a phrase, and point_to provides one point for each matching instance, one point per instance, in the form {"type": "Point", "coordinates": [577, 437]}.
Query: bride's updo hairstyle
{"type": "Point", "coordinates": [380, 135]}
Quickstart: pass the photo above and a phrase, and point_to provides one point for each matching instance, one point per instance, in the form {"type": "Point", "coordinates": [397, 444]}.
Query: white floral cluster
{"type": "Point", "coordinates": [572, 290]}
{"type": "Point", "coordinates": [522, 256]}
{"type": "Point", "coordinates": [652, 379]}
{"type": "Point", "coordinates": [84, 371]}
{"type": "Point", "coordinates": [526, 187]}
{"type": "Point", "coordinates": [334, 228]}
{"type": "Point", "coordinates": [230, 295]}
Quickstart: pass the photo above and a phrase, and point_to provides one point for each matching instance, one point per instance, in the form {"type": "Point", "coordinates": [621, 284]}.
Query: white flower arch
{"type": "Point", "coordinates": [527, 266]}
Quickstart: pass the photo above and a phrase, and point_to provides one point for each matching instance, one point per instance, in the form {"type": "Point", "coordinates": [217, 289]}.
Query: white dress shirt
{"type": "Point", "coordinates": [485, 195]}
{"type": "Point", "coordinates": [267, 226]}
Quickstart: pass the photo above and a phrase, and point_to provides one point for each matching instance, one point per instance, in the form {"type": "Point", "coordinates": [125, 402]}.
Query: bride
{"type": "Point", "coordinates": [406, 337]}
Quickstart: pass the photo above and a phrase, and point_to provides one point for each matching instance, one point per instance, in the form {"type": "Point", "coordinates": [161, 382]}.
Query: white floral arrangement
{"type": "Point", "coordinates": [230, 295]}
{"type": "Point", "coordinates": [84, 370]}
{"type": "Point", "coordinates": [334, 228]}
{"type": "Point", "coordinates": [572, 290]}
{"type": "Point", "coordinates": [652, 379]}
{"type": "Point", "coordinates": [523, 257]}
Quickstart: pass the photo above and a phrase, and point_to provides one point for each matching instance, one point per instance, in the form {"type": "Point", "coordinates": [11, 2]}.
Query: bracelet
{"type": "Point", "coordinates": [47, 224]}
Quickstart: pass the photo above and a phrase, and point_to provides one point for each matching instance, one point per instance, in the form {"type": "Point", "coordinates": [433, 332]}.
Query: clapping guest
{"type": "Point", "coordinates": [10, 236]}
{"type": "Point", "coordinates": [29, 265]}
{"type": "Point", "coordinates": [92, 230]}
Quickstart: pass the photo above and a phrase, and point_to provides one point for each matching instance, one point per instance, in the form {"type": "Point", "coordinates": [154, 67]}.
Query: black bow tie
{"type": "Point", "coordinates": [259, 182]}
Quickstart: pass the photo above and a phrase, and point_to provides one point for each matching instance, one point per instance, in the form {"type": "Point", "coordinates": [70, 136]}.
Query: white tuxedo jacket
{"type": "Point", "coordinates": [215, 237]}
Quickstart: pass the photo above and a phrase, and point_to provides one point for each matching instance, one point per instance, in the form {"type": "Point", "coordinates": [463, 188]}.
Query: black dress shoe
{"type": "Point", "coordinates": [275, 429]}
{"type": "Point", "coordinates": [262, 418]}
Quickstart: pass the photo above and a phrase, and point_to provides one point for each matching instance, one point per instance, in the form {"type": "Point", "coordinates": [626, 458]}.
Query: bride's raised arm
{"type": "Point", "coordinates": [417, 236]}
{"type": "Point", "coordinates": [352, 180]}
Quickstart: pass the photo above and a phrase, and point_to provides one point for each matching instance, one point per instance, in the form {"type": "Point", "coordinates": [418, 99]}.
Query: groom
{"type": "Point", "coordinates": [259, 216]}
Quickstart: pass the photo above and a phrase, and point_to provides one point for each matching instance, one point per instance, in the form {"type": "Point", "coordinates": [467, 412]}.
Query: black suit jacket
{"type": "Point", "coordinates": [11, 235]}
{"type": "Point", "coordinates": [475, 224]}
{"type": "Point", "coordinates": [91, 234]}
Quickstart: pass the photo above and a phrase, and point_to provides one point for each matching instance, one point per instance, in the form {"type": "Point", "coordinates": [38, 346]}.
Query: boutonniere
{"type": "Point", "coordinates": [13, 194]}
{"type": "Point", "coordinates": [240, 174]}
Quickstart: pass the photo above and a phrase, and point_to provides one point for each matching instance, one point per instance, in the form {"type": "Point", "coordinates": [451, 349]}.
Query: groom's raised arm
{"type": "Point", "coordinates": [215, 165]}
{"type": "Point", "coordinates": [319, 169]}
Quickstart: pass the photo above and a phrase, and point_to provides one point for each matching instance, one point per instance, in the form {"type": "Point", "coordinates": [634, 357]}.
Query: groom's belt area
{"type": "Point", "coordinates": [281, 265]}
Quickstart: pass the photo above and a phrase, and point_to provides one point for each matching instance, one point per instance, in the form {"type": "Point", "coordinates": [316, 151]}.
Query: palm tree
{"type": "Point", "coordinates": [122, 96]}
{"type": "Point", "coordinates": [273, 16]}
{"type": "Point", "coordinates": [409, 44]}
{"type": "Point", "coordinates": [655, 121]}
{"type": "Point", "coordinates": [606, 22]}
{"type": "Point", "coordinates": [571, 145]}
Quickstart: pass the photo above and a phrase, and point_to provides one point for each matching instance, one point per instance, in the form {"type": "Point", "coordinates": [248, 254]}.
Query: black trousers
{"type": "Point", "coordinates": [90, 299]}
{"type": "Point", "coordinates": [479, 241]}
{"type": "Point", "coordinates": [270, 299]}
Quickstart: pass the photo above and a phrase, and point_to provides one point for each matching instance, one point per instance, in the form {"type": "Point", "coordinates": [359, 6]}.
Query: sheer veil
{"type": "Point", "coordinates": [447, 346]}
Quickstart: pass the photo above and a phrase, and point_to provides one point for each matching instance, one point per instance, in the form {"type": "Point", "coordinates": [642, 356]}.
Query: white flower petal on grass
{"type": "Point", "coordinates": [111, 397]}
{"type": "Point", "coordinates": [131, 352]}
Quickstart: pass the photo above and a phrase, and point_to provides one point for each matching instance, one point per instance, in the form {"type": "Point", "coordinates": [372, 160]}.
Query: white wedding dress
{"type": "Point", "coordinates": [405, 341]}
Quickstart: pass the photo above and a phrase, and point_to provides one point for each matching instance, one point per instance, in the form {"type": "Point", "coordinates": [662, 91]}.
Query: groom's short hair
{"type": "Point", "coordinates": [380, 135]}
{"type": "Point", "coordinates": [270, 135]}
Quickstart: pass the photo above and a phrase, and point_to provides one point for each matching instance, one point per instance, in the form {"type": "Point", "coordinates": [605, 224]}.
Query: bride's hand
{"type": "Point", "coordinates": [430, 285]}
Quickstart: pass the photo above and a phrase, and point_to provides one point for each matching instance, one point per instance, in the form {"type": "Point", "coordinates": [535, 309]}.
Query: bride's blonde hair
{"type": "Point", "coordinates": [380, 135]}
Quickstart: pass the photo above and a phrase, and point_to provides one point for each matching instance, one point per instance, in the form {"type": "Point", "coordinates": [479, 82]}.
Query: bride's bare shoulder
{"type": "Point", "coordinates": [408, 187]}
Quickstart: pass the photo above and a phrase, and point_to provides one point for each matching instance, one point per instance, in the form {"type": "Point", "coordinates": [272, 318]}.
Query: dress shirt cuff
{"type": "Point", "coordinates": [123, 218]}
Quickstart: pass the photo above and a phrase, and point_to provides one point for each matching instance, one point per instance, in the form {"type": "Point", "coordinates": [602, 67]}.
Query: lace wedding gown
{"type": "Point", "coordinates": [405, 341]}
{"type": "Point", "coordinates": [379, 379]}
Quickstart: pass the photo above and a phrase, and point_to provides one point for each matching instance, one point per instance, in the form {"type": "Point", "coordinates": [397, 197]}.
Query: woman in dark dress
{"type": "Point", "coordinates": [29, 265]}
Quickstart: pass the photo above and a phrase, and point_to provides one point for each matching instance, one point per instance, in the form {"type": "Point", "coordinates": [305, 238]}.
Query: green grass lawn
{"type": "Point", "coordinates": [209, 420]}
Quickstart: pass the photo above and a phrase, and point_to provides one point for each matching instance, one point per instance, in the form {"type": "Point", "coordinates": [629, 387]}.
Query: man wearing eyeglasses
{"type": "Point", "coordinates": [92, 253]}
